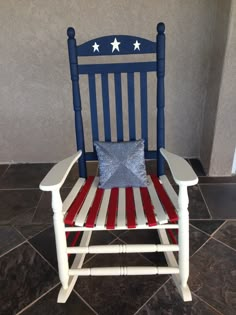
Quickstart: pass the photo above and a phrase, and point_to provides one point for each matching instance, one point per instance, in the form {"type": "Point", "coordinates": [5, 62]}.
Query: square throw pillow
{"type": "Point", "coordinates": [121, 164]}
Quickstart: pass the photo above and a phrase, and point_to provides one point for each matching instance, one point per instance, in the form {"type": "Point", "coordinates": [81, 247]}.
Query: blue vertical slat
{"type": "Point", "coordinates": [106, 108]}
{"type": "Point", "coordinates": [144, 110]}
{"type": "Point", "coordinates": [76, 100]}
{"type": "Point", "coordinates": [93, 106]}
{"type": "Point", "coordinates": [160, 96]}
{"type": "Point", "coordinates": [119, 113]}
{"type": "Point", "coordinates": [131, 106]}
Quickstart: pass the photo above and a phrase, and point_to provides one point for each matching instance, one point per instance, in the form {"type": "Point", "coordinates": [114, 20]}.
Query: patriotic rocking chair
{"type": "Point", "coordinates": [90, 208]}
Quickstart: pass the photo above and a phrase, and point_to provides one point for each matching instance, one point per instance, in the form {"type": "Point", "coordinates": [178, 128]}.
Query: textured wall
{"type": "Point", "coordinates": [225, 127]}
{"type": "Point", "coordinates": [217, 53]}
{"type": "Point", "coordinates": [36, 119]}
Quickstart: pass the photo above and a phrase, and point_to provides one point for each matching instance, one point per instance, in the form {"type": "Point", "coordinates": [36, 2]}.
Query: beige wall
{"type": "Point", "coordinates": [225, 127]}
{"type": "Point", "coordinates": [36, 118]}
{"type": "Point", "coordinates": [217, 53]}
{"type": "Point", "coordinates": [219, 127]}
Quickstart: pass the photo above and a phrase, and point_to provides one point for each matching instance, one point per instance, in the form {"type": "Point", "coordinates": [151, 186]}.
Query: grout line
{"type": "Point", "coordinates": [213, 219]}
{"type": "Point", "coordinates": [19, 232]}
{"type": "Point", "coordinates": [29, 210]}
{"type": "Point", "coordinates": [227, 219]}
{"type": "Point", "coordinates": [153, 295]}
{"type": "Point", "coordinates": [89, 259]}
{"type": "Point", "coordinates": [36, 208]}
{"type": "Point", "coordinates": [224, 244]}
{"type": "Point", "coordinates": [201, 246]}
{"type": "Point", "coordinates": [218, 228]}
{"type": "Point", "coordinates": [205, 201]}
{"type": "Point", "coordinates": [201, 299]}
{"type": "Point", "coordinates": [209, 184]}
{"type": "Point", "coordinates": [197, 228]}
{"type": "Point", "coordinates": [39, 298]}
{"type": "Point", "coordinates": [20, 188]}
{"type": "Point", "coordinates": [209, 237]}
{"type": "Point", "coordinates": [85, 302]}
{"type": "Point", "coordinates": [212, 238]}
{"type": "Point", "coordinates": [5, 170]}
{"type": "Point", "coordinates": [148, 260]}
{"type": "Point", "coordinates": [45, 228]}
{"type": "Point", "coordinates": [7, 252]}
{"type": "Point", "coordinates": [125, 231]}
{"type": "Point", "coordinates": [42, 256]}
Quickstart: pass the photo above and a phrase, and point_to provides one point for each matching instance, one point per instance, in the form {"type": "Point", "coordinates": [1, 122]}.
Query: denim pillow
{"type": "Point", "coordinates": [121, 164]}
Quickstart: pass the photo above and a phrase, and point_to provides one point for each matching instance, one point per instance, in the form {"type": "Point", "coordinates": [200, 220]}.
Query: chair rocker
{"type": "Point", "coordinates": [89, 208]}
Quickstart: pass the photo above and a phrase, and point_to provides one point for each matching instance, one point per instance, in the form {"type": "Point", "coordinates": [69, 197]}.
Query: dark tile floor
{"type": "Point", "coordinates": [28, 266]}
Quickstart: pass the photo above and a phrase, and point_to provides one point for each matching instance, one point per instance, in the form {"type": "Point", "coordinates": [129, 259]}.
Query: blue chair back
{"type": "Point", "coordinates": [112, 46]}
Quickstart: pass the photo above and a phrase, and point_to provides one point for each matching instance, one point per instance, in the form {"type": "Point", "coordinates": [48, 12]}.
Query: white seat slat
{"type": "Point", "coordinates": [73, 193]}
{"type": "Point", "coordinates": [140, 216]}
{"type": "Point", "coordinates": [80, 219]}
{"type": "Point", "coordinates": [121, 216]}
{"type": "Point", "coordinates": [101, 219]}
{"type": "Point", "coordinates": [170, 191]}
{"type": "Point", "coordinates": [162, 217]}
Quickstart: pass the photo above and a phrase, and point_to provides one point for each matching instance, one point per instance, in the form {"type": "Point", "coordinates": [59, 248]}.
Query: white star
{"type": "Point", "coordinates": [95, 47]}
{"type": "Point", "coordinates": [136, 45]}
{"type": "Point", "coordinates": [115, 45]}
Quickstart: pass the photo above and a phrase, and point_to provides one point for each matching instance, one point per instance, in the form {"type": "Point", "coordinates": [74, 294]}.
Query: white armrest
{"type": "Point", "coordinates": [57, 175]}
{"type": "Point", "coordinates": [181, 171]}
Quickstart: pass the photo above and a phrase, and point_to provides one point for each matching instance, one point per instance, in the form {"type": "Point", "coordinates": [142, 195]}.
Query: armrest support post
{"type": "Point", "coordinates": [59, 230]}
{"type": "Point", "coordinates": [183, 236]}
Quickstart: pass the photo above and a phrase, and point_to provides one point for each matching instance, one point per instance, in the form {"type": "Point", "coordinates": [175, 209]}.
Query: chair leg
{"type": "Point", "coordinates": [77, 263]}
{"type": "Point", "coordinates": [183, 238]}
{"type": "Point", "coordinates": [183, 241]}
{"type": "Point", "coordinates": [171, 261]}
{"type": "Point", "coordinates": [61, 246]}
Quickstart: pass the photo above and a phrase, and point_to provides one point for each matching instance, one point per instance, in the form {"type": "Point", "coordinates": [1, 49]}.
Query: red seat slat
{"type": "Point", "coordinates": [94, 208]}
{"type": "Point", "coordinates": [165, 200]}
{"type": "Point", "coordinates": [75, 239]}
{"type": "Point", "coordinates": [130, 208]}
{"type": "Point", "coordinates": [112, 208]}
{"type": "Point", "coordinates": [172, 236]}
{"type": "Point", "coordinates": [78, 202]}
{"type": "Point", "coordinates": [147, 206]}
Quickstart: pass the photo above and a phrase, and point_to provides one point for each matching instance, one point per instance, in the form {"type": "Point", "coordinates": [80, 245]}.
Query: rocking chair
{"type": "Point", "coordinates": [88, 207]}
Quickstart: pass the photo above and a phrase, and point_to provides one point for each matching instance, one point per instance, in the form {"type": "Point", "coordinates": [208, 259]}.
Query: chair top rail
{"type": "Point", "coordinates": [116, 45]}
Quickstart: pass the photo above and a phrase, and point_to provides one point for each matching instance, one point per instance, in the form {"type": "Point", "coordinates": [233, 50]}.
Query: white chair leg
{"type": "Point", "coordinates": [183, 238]}
{"type": "Point", "coordinates": [171, 261]}
{"type": "Point", "coordinates": [59, 230]}
{"type": "Point", "coordinates": [78, 262]}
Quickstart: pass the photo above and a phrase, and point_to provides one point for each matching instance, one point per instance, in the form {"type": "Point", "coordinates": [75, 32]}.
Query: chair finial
{"type": "Point", "coordinates": [161, 28]}
{"type": "Point", "coordinates": [71, 32]}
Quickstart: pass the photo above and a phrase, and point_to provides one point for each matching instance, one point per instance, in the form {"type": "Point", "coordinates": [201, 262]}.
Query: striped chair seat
{"type": "Point", "coordinates": [120, 208]}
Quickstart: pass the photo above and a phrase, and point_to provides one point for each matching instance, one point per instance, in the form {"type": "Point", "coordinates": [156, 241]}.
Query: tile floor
{"type": "Point", "coordinates": [28, 266]}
